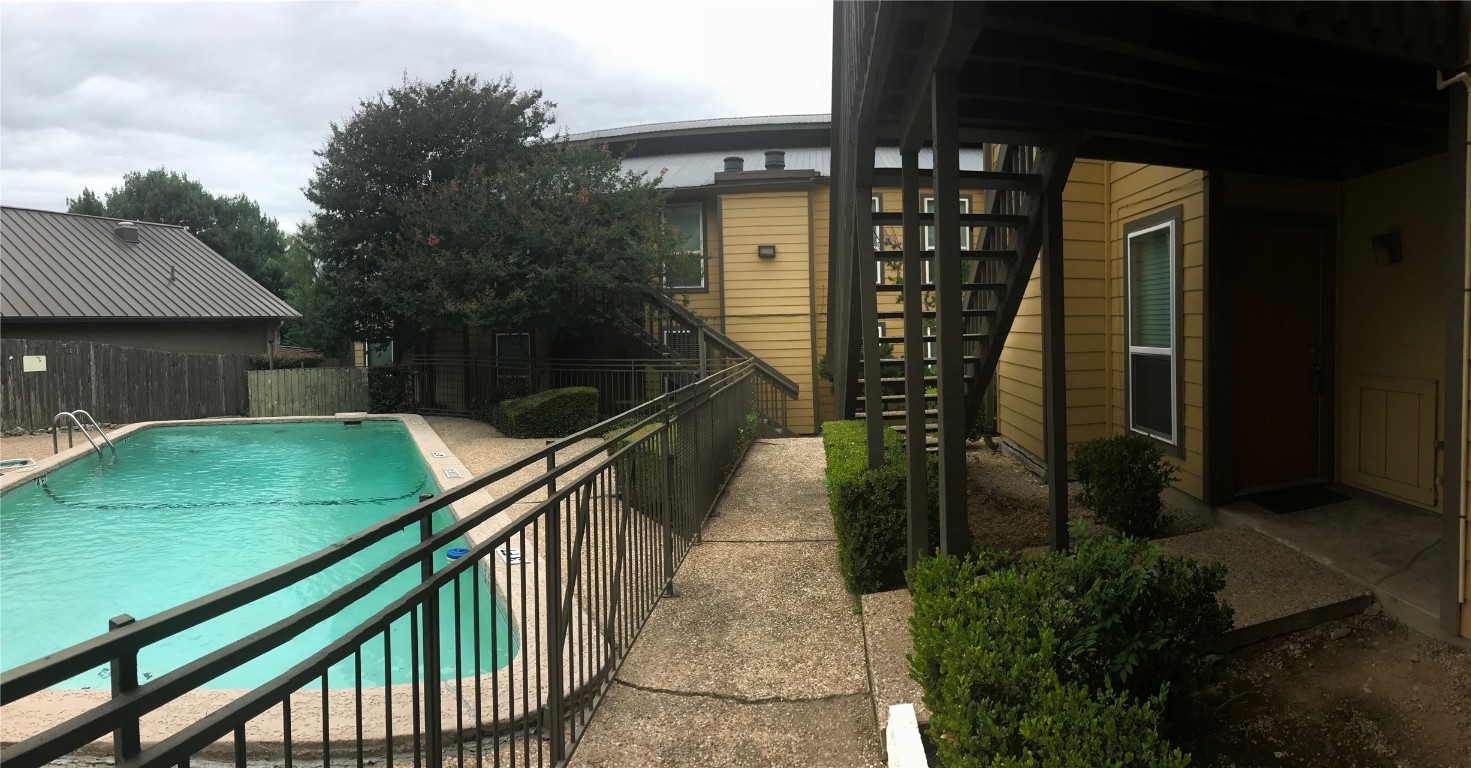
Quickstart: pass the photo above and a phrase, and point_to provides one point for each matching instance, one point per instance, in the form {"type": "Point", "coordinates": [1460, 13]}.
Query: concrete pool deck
{"type": "Point", "coordinates": [31, 715]}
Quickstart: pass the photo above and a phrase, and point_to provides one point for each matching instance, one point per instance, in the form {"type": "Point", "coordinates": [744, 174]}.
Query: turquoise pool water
{"type": "Point", "coordinates": [183, 511]}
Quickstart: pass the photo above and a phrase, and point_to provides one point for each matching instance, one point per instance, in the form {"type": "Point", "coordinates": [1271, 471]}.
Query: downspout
{"type": "Point", "coordinates": [1464, 512]}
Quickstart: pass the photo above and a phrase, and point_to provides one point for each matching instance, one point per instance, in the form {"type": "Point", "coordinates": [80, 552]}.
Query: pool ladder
{"type": "Point", "coordinates": [75, 417]}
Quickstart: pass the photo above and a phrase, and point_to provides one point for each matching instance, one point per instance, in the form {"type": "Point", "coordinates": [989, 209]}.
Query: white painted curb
{"type": "Point", "coordinates": [906, 750]}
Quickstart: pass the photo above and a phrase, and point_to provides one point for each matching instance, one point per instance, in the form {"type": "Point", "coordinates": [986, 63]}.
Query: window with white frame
{"type": "Point", "coordinates": [877, 205]}
{"type": "Point", "coordinates": [687, 269]}
{"type": "Point", "coordinates": [929, 234]}
{"type": "Point", "coordinates": [1151, 266]}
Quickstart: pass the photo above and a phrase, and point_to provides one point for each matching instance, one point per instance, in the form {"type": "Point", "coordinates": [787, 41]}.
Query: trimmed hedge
{"type": "Point", "coordinates": [1063, 659]}
{"type": "Point", "coordinates": [389, 388]}
{"type": "Point", "coordinates": [868, 506]}
{"type": "Point", "coordinates": [286, 360]}
{"type": "Point", "coordinates": [553, 413]}
{"type": "Point", "coordinates": [1122, 477]}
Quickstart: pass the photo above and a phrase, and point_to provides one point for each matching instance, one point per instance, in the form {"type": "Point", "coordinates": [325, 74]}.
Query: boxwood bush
{"type": "Point", "coordinates": [552, 413]}
{"type": "Point", "coordinates": [390, 388]}
{"type": "Point", "coordinates": [1063, 659]}
{"type": "Point", "coordinates": [286, 360]}
{"type": "Point", "coordinates": [1122, 477]}
{"type": "Point", "coordinates": [868, 506]}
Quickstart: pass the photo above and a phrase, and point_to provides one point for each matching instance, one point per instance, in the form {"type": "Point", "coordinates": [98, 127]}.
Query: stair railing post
{"type": "Point", "coordinates": [123, 671]}
{"type": "Point", "coordinates": [868, 265]}
{"type": "Point", "coordinates": [433, 704]}
{"type": "Point", "coordinates": [666, 444]}
{"type": "Point", "coordinates": [950, 398]}
{"type": "Point", "coordinates": [915, 419]}
{"type": "Point", "coordinates": [556, 631]}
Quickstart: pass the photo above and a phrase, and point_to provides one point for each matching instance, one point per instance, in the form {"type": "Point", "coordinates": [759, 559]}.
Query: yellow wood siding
{"type": "Point", "coordinates": [1134, 191]}
{"type": "Point", "coordinates": [1391, 332]}
{"type": "Point", "coordinates": [1019, 414]}
{"type": "Point", "coordinates": [768, 302]}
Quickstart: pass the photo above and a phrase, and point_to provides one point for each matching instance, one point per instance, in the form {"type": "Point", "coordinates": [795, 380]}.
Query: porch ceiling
{"type": "Point", "coordinates": [1323, 90]}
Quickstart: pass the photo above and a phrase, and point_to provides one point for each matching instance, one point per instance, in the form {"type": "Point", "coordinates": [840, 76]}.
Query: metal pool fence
{"type": "Point", "coordinates": [574, 559]}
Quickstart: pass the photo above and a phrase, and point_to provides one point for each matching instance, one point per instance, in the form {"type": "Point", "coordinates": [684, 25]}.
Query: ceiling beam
{"type": "Point", "coordinates": [949, 37]}
{"type": "Point", "coordinates": [1192, 112]}
{"type": "Point", "coordinates": [1322, 82]}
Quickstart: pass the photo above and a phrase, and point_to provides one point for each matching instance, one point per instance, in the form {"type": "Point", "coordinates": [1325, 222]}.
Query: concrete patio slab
{"type": "Point", "coordinates": [886, 636]}
{"type": "Point", "coordinates": [1390, 547]}
{"type": "Point", "coordinates": [1273, 588]}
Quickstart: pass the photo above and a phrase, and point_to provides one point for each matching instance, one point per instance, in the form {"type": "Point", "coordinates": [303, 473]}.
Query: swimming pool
{"type": "Point", "coordinates": [185, 510]}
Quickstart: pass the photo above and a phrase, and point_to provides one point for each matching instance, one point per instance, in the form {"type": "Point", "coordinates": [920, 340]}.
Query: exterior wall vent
{"type": "Point", "coordinates": [735, 163]}
{"type": "Point", "coordinates": [776, 159]}
{"type": "Point", "coordinates": [126, 231]}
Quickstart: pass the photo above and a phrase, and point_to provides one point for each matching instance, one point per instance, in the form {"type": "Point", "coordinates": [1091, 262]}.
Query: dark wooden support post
{"type": "Point", "coordinates": [1457, 304]}
{"type": "Point", "coordinates": [954, 533]}
{"type": "Point", "coordinates": [867, 275]}
{"type": "Point", "coordinates": [917, 499]}
{"type": "Point", "coordinates": [1054, 361]}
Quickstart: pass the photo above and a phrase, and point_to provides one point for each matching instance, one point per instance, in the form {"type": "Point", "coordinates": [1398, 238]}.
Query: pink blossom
{"type": "Point", "coordinates": [433, 239]}
{"type": "Point", "coordinates": [664, 170]}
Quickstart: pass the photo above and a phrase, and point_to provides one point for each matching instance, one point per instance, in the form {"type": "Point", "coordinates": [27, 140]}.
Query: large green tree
{"type": "Point", "coordinates": [307, 293]}
{"type": "Point", "coordinates": [443, 202]}
{"type": "Point", "coordinates": [560, 237]}
{"type": "Point", "coordinates": [233, 226]}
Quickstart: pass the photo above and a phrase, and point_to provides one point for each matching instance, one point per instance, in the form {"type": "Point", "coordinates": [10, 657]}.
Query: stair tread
{"type": "Point", "coordinates": [984, 254]}
{"type": "Point", "coordinates": [896, 314]}
{"type": "Point", "coordinates": [1001, 180]}
{"type": "Point", "coordinates": [963, 337]}
{"type": "Point", "coordinates": [894, 288]}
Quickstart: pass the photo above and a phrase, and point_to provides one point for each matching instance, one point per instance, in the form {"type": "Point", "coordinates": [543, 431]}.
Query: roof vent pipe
{"type": "Point", "coordinates": [775, 159]}
{"type": "Point", "coordinates": [735, 163]}
{"type": "Point", "coordinates": [126, 231]}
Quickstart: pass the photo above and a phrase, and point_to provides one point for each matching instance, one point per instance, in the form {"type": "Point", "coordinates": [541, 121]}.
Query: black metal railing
{"type": "Point", "coordinates": [497, 657]}
{"type": "Point", "coordinates": [460, 385]}
{"type": "Point", "coordinates": [672, 331]}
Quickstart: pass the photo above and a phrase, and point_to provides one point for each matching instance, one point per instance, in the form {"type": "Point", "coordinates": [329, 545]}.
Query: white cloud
{"type": "Point", "coordinates": [239, 95]}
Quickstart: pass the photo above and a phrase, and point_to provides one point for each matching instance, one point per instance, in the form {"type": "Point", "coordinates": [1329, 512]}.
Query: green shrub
{"type": "Point", "coordinates": [390, 388]}
{"type": "Point", "coordinates": [286, 360]}
{"type": "Point", "coordinates": [1121, 478]}
{"type": "Point", "coordinates": [553, 413]}
{"type": "Point", "coordinates": [868, 506]}
{"type": "Point", "coordinates": [989, 655]}
{"type": "Point", "coordinates": [1063, 659]}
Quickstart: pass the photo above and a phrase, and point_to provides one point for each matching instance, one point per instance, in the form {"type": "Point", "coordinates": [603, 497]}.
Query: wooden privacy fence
{"type": "Point", "coordinates": [115, 384]}
{"type": "Point", "coordinates": [308, 391]}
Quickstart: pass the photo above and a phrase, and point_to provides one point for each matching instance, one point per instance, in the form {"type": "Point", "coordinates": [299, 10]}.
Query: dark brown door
{"type": "Point", "coordinates": [1277, 365]}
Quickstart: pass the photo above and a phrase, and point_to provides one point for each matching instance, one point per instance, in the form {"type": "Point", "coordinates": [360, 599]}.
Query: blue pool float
{"type": "Point", "coordinates": [455, 553]}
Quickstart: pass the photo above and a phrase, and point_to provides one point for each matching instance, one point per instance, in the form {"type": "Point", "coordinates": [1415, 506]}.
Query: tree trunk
{"type": "Point", "coordinates": [542, 340]}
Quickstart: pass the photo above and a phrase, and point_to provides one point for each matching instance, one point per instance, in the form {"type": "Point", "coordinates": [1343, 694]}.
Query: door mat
{"type": "Point", "coordinates": [1296, 499]}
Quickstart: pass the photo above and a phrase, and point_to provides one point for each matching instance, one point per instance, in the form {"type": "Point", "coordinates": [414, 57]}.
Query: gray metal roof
{"type": "Point", "coordinates": [697, 169]}
{"type": "Point", "coordinates": [69, 266]}
{"type": "Point", "coordinates": [712, 125]}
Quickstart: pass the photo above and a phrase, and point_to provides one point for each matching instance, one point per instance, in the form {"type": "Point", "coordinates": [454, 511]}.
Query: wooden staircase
{"type": "Point", "coordinates": [996, 265]}
{"type": "Point", "coordinates": [664, 329]}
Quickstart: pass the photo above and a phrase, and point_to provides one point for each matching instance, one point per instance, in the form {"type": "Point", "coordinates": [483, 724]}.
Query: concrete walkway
{"type": "Point", "coordinates": [758, 659]}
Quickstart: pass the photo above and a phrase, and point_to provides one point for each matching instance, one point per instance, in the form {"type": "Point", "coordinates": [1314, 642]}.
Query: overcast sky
{"type": "Point", "coordinates": [237, 95]}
